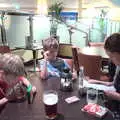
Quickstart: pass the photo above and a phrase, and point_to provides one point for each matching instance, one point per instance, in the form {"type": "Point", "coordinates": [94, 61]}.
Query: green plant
{"type": "Point", "coordinates": [102, 19]}
{"type": "Point", "coordinates": [102, 22]}
{"type": "Point", "coordinates": [55, 10]}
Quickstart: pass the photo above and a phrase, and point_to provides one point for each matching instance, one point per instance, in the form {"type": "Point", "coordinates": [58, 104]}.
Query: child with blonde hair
{"type": "Point", "coordinates": [12, 71]}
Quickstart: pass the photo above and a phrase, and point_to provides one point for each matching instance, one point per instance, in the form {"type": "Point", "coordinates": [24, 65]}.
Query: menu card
{"type": "Point", "coordinates": [98, 86]}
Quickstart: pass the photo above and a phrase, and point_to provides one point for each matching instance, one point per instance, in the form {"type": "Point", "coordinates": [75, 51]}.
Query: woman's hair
{"type": "Point", "coordinates": [49, 43]}
{"type": "Point", "coordinates": [12, 64]}
{"type": "Point", "coordinates": [112, 43]}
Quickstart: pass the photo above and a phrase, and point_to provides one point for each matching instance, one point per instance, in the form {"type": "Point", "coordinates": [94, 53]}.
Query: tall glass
{"type": "Point", "coordinates": [92, 95]}
{"type": "Point", "coordinates": [50, 99]}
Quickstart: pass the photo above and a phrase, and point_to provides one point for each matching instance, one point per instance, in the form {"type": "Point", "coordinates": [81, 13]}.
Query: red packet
{"type": "Point", "coordinates": [95, 109]}
{"type": "Point", "coordinates": [72, 99]}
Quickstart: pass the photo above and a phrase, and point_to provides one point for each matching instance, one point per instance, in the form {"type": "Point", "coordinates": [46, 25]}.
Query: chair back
{"type": "Point", "coordinates": [92, 65]}
{"type": "Point", "coordinates": [65, 50]}
{"type": "Point", "coordinates": [4, 49]}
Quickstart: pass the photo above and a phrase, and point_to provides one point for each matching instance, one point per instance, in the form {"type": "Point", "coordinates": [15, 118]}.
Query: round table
{"type": "Point", "coordinates": [95, 51]}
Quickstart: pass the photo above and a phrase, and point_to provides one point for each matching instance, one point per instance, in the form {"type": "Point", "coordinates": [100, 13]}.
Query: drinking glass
{"type": "Point", "coordinates": [50, 100]}
{"type": "Point", "coordinates": [92, 95]}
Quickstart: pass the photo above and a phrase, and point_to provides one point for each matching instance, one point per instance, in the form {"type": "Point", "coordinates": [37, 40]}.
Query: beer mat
{"type": "Point", "coordinates": [72, 99]}
{"type": "Point", "coordinates": [95, 109]}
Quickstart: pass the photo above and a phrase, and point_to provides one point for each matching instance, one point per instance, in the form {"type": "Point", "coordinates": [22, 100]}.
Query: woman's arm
{"type": "Point", "coordinates": [100, 82]}
{"type": "Point", "coordinates": [112, 95]}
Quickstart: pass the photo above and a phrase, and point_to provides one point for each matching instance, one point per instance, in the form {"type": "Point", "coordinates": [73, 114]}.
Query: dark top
{"type": "Point", "coordinates": [117, 83]}
{"type": "Point", "coordinates": [114, 105]}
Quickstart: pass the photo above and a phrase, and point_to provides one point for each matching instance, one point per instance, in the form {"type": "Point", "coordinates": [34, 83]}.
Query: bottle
{"type": "Point", "coordinates": [81, 78]}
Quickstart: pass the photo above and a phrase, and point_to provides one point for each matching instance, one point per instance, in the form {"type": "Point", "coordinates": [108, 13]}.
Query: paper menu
{"type": "Point", "coordinates": [98, 86]}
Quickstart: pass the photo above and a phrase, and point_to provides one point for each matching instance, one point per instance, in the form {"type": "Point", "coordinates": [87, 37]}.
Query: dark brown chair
{"type": "Point", "coordinates": [4, 49]}
{"type": "Point", "coordinates": [92, 65]}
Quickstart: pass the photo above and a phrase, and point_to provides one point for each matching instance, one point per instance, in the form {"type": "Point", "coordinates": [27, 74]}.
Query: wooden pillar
{"type": "Point", "coordinates": [42, 7]}
{"type": "Point", "coordinates": [79, 8]}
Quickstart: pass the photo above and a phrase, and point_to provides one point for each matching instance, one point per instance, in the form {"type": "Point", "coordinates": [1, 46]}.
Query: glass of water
{"type": "Point", "coordinates": [92, 95]}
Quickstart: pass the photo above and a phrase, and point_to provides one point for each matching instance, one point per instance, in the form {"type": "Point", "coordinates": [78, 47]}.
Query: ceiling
{"type": "Point", "coordinates": [18, 3]}
{"type": "Point", "coordinates": [22, 5]}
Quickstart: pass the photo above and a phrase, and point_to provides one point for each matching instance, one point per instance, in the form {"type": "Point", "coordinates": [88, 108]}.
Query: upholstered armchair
{"type": "Point", "coordinates": [92, 65]}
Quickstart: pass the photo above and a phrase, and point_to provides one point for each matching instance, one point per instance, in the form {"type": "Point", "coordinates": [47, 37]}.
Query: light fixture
{"type": "Point", "coordinates": [42, 7]}
{"type": "Point", "coordinates": [5, 5]}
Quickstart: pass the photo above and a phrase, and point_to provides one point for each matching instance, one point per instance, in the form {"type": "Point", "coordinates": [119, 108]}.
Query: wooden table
{"type": "Point", "coordinates": [35, 111]}
{"type": "Point", "coordinates": [95, 51]}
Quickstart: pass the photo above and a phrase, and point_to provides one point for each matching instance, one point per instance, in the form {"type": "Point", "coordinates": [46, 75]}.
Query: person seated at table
{"type": "Point", "coordinates": [12, 70]}
{"type": "Point", "coordinates": [51, 65]}
{"type": "Point", "coordinates": [3, 89]}
{"type": "Point", "coordinates": [112, 48]}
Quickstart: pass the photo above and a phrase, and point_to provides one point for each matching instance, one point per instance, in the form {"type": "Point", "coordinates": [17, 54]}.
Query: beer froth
{"type": "Point", "coordinates": [50, 99]}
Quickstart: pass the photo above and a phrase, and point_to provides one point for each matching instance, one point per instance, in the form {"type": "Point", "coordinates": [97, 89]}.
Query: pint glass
{"type": "Point", "coordinates": [50, 99]}
{"type": "Point", "coordinates": [92, 95]}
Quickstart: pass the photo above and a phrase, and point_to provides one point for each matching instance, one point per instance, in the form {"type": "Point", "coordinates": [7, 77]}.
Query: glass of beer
{"type": "Point", "coordinates": [50, 99]}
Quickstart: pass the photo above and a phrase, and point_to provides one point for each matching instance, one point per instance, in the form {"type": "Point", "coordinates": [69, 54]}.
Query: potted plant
{"type": "Point", "coordinates": [102, 23]}
{"type": "Point", "coordinates": [55, 10]}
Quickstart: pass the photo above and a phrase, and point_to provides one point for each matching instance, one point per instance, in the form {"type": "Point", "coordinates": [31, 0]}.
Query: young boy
{"type": "Point", "coordinates": [12, 70]}
{"type": "Point", "coordinates": [51, 65]}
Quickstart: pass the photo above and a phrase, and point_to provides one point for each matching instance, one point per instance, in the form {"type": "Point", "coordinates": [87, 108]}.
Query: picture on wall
{"type": "Point", "coordinates": [69, 15]}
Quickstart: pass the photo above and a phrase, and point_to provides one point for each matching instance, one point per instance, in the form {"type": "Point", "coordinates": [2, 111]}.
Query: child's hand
{"type": "Point", "coordinates": [34, 89]}
{"type": "Point", "coordinates": [46, 55]}
{"type": "Point", "coordinates": [32, 95]}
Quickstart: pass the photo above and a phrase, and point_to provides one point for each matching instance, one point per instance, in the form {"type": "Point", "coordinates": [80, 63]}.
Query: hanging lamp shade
{"type": "Point", "coordinates": [42, 8]}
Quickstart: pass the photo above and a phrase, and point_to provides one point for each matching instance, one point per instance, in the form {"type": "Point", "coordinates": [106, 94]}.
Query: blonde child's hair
{"type": "Point", "coordinates": [12, 64]}
{"type": "Point", "coordinates": [50, 42]}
